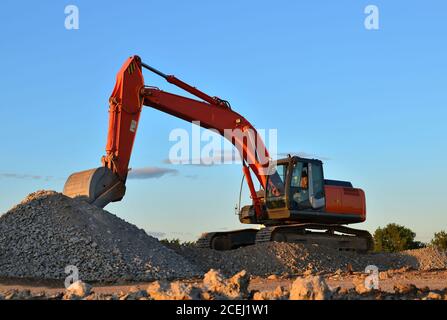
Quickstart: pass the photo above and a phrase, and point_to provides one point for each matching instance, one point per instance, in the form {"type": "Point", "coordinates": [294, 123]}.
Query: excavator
{"type": "Point", "coordinates": [295, 203]}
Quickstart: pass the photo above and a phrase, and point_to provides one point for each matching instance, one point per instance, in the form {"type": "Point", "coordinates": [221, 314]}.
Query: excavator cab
{"type": "Point", "coordinates": [303, 187]}
{"type": "Point", "coordinates": [297, 186]}
{"type": "Point", "coordinates": [298, 192]}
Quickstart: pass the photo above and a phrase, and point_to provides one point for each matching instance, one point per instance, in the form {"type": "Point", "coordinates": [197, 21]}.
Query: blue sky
{"type": "Point", "coordinates": [372, 103]}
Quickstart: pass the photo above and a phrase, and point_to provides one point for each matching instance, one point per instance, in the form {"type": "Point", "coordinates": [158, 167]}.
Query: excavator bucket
{"type": "Point", "coordinates": [98, 186]}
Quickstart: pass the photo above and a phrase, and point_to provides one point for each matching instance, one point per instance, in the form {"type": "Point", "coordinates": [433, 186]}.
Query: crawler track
{"type": "Point", "coordinates": [336, 236]}
{"type": "Point", "coordinates": [227, 240]}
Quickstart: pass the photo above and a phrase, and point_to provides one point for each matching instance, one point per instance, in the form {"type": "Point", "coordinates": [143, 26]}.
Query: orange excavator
{"type": "Point", "coordinates": [295, 202]}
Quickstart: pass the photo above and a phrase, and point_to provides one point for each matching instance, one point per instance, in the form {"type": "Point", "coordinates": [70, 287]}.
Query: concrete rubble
{"type": "Point", "coordinates": [310, 288]}
{"type": "Point", "coordinates": [78, 290]}
{"type": "Point", "coordinates": [214, 286]}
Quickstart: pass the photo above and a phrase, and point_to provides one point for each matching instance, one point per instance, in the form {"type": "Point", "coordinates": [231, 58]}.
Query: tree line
{"type": "Point", "coordinates": [394, 238]}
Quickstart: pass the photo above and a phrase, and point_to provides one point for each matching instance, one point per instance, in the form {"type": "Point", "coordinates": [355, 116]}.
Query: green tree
{"type": "Point", "coordinates": [394, 238]}
{"type": "Point", "coordinates": [440, 240]}
{"type": "Point", "coordinates": [174, 243]}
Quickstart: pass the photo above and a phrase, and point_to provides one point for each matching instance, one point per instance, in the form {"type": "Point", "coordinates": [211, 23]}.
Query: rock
{"type": "Point", "coordinates": [384, 275]}
{"type": "Point", "coordinates": [156, 290]}
{"type": "Point", "coordinates": [360, 288]}
{"type": "Point", "coordinates": [183, 291]}
{"type": "Point", "coordinates": [434, 296]}
{"type": "Point", "coordinates": [310, 288]}
{"type": "Point", "coordinates": [424, 289]}
{"type": "Point", "coordinates": [234, 288]}
{"type": "Point", "coordinates": [24, 295]}
{"type": "Point", "coordinates": [92, 296]}
{"type": "Point", "coordinates": [405, 289]}
{"type": "Point", "coordinates": [78, 290]}
{"type": "Point", "coordinates": [16, 295]}
{"type": "Point", "coordinates": [173, 291]}
{"type": "Point", "coordinates": [359, 285]}
{"type": "Point", "coordinates": [136, 293]}
{"type": "Point", "coordinates": [308, 272]}
{"type": "Point", "coordinates": [207, 296]}
{"type": "Point", "coordinates": [56, 296]}
{"type": "Point", "coordinates": [124, 297]}
{"type": "Point", "coordinates": [343, 291]}
{"type": "Point", "coordinates": [10, 295]}
{"type": "Point", "coordinates": [278, 294]}
{"type": "Point", "coordinates": [237, 286]}
{"type": "Point", "coordinates": [213, 280]}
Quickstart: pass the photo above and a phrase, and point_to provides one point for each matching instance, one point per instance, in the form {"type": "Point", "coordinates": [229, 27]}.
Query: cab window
{"type": "Point", "coordinates": [318, 180]}
{"type": "Point", "coordinates": [276, 193]}
{"type": "Point", "coordinates": [296, 175]}
{"type": "Point", "coordinates": [299, 186]}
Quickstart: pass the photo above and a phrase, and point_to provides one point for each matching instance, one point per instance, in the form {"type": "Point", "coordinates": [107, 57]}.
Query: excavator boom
{"type": "Point", "coordinates": [107, 184]}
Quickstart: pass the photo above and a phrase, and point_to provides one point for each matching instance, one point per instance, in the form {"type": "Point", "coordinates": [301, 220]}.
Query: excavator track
{"type": "Point", "coordinates": [205, 239]}
{"type": "Point", "coordinates": [335, 236]}
{"type": "Point", "coordinates": [227, 240]}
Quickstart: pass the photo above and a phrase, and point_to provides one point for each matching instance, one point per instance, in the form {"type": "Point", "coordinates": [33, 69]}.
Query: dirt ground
{"type": "Point", "coordinates": [433, 280]}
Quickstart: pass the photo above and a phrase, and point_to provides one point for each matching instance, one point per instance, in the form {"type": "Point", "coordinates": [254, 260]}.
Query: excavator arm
{"type": "Point", "coordinates": [107, 184]}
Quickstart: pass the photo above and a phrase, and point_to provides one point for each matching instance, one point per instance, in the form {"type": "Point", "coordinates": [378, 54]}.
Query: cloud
{"type": "Point", "coordinates": [150, 173]}
{"type": "Point", "coordinates": [179, 233]}
{"type": "Point", "coordinates": [172, 235]}
{"type": "Point", "coordinates": [156, 234]}
{"type": "Point", "coordinates": [25, 176]}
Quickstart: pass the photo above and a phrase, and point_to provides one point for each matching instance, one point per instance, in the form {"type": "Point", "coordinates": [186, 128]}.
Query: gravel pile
{"type": "Point", "coordinates": [427, 259]}
{"type": "Point", "coordinates": [280, 258]}
{"type": "Point", "coordinates": [48, 231]}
